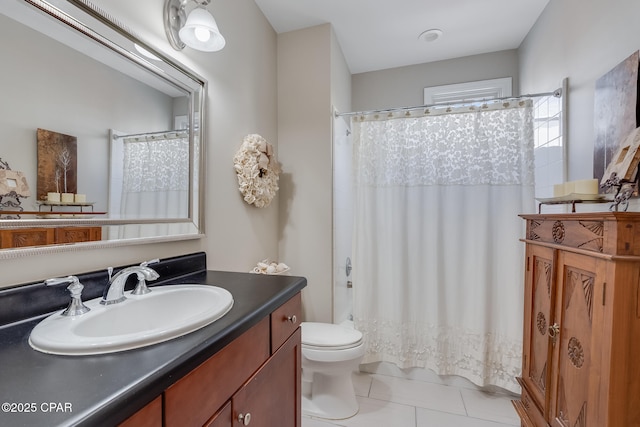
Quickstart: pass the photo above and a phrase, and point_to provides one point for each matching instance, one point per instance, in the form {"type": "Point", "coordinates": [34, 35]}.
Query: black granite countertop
{"type": "Point", "coordinates": [50, 390]}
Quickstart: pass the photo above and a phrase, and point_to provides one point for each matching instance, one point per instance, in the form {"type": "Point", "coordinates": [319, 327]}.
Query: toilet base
{"type": "Point", "coordinates": [330, 397]}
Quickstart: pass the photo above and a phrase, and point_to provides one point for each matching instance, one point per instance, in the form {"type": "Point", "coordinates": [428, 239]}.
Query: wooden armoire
{"type": "Point", "coordinates": [581, 348]}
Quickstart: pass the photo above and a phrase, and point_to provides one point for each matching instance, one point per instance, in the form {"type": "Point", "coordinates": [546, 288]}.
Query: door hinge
{"type": "Point", "coordinates": [604, 292]}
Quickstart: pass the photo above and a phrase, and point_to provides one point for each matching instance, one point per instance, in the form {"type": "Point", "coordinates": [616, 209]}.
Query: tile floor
{"type": "Point", "coordinates": [389, 401]}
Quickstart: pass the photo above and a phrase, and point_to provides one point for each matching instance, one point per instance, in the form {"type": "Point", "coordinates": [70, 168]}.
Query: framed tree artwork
{"type": "Point", "coordinates": [57, 163]}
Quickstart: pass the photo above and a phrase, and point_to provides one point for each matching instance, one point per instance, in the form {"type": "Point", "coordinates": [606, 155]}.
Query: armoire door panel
{"type": "Point", "coordinates": [540, 318]}
{"type": "Point", "coordinates": [574, 311]}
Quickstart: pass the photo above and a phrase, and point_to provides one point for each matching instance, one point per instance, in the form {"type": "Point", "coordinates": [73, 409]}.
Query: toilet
{"type": "Point", "coordinates": [330, 353]}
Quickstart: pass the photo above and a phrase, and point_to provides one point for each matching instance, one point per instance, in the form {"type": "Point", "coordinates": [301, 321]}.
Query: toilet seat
{"type": "Point", "coordinates": [328, 336]}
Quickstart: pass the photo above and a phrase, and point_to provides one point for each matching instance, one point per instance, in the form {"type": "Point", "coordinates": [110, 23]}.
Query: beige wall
{"type": "Point", "coordinates": [313, 78]}
{"type": "Point", "coordinates": [241, 100]}
{"type": "Point", "coordinates": [581, 40]}
{"type": "Point", "coordinates": [304, 140]}
{"type": "Point", "coordinates": [403, 86]}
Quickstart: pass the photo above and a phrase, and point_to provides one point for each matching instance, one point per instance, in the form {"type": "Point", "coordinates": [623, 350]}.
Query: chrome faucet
{"type": "Point", "coordinates": [76, 307]}
{"type": "Point", "coordinates": [114, 291]}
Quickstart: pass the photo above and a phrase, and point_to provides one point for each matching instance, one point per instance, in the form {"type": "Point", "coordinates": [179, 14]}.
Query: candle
{"type": "Point", "coordinates": [569, 187]}
{"type": "Point", "coordinates": [80, 198]}
{"type": "Point", "coordinates": [586, 186]}
{"type": "Point", "coordinates": [53, 197]}
{"type": "Point", "coordinates": [558, 190]}
{"type": "Point", "coordinates": [67, 198]}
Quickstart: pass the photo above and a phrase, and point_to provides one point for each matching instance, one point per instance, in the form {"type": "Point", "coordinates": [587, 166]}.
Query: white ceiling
{"type": "Point", "coordinates": [380, 34]}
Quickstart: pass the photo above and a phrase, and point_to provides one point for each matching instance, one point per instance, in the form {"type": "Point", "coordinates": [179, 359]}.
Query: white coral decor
{"type": "Point", "coordinates": [258, 171]}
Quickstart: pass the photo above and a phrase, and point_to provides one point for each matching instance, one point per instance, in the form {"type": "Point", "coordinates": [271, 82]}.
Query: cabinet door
{"type": "Point", "coordinates": [539, 291]}
{"type": "Point", "coordinates": [273, 397]}
{"type": "Point", "coordinates": [578, 300]}
{"type": "Point", "coordinates": [222, 418]}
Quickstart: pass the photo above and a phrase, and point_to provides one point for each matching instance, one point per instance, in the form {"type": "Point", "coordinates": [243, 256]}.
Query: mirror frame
{"type": "Point", "coordinates": [86, 18]}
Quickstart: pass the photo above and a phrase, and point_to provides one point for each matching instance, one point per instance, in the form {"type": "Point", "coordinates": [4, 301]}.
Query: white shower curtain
{"type": "Point", "coordinates": [437, 258]}
{"type": "Point", "coordinates": [155, 178]}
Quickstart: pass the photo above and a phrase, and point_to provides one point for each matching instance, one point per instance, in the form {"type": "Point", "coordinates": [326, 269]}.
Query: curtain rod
{"type": "Point", "coordinates": [164, 132]}
{"type": "Point", "coordinates": [556, 93]}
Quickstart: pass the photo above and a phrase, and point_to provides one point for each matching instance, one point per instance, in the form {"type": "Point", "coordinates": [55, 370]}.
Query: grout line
{"type": "Point", "coordinates": [464, 404]}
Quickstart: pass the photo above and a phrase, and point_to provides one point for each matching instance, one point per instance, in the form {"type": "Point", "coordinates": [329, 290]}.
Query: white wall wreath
{"type": "Point", "coordinates": [258, 170]}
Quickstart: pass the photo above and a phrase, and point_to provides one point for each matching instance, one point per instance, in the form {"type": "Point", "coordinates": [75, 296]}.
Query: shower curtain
{"type": "Point", "coordinates": [437, 258]}
{"type": "Point", "coordinates": [155, 178]}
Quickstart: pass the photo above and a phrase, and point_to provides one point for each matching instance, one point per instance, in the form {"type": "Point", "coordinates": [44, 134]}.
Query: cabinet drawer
{"type": "Point", "coordinates": [192, 400]}
{"type": "Point", "coordinates": [149, 416]}
{"type": "Point", "coordinates": [285, 320]}
{"type": "Point", "coordinates": [78, 234]}
{"type": "Point", "coordinates": [24, 237]}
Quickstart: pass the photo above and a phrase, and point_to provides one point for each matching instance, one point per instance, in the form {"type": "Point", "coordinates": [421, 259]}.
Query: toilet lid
{"type": "Point", "coordinates": [329, 335]}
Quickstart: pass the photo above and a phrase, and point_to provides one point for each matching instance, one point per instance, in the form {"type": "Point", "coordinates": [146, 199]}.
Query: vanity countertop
{"type": "Point", "coordinates": [50, 390]}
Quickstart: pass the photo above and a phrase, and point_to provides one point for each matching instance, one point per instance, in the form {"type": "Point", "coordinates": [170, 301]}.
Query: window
{"type": "Point", "coordinates": [547, 118]}
{"type": "Point", "coordinates": [470, 91]}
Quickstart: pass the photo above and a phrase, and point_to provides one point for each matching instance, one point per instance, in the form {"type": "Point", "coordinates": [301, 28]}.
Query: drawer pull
{"type": "Point", "coordinates": [244, 419]}
{"type": "Point", "coordinates": [293, 319]}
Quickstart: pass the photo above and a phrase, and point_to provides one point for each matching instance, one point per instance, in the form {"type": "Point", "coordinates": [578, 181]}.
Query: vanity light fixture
{"type": "Point", "coordinates": [198, 29]}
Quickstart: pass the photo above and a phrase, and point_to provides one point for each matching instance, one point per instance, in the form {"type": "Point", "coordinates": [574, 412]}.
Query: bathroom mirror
{"type": "Point", "coordinates": [90, 110]}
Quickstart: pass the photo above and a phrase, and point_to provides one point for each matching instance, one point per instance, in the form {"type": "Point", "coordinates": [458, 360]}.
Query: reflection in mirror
{"type": "Point", "coordinates": [134, 119]}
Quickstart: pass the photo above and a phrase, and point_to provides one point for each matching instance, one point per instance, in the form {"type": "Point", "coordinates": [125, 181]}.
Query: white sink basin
{"type": "Point", "coordinates": [166, 313]}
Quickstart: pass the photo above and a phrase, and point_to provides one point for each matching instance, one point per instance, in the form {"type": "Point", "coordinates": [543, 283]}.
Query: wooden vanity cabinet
{"type": "Point", "coordinates": [149, 416]}
{"type": "Point", "coordinates": [197, 397]}
{"type": "Point", "coordinates": [222, 418]}
{"type": "Point", "coordinates": [23, 237]}
{"type": "Point", "coordinates": [272, 396]}
{"type": "Point", "coordinates": [78, 234]}
{"type": "Point", "coordinates": [41, 236]}
{"type": "Point", "coordinates": [581, 321]}
{"type": "Point", "coordinates": [254, 379]}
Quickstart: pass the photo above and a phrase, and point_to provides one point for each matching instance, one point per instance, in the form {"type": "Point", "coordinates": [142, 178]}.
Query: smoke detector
{"type": "Point", "coordinates": [431, 35]}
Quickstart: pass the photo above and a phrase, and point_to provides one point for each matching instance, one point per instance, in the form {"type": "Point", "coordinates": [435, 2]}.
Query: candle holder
{"type": "Point", "coordinates": [624, 190]}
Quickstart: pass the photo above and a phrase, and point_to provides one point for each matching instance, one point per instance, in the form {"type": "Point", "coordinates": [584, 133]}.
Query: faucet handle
{"type": "Point", "coordinates": [75, 307]}
{"type": "Point", "coordinates": [151, 261]}
{"type": "Point", "coordinates": [148, 274]}
{"type": "Point", "coordinates": [141, 287]}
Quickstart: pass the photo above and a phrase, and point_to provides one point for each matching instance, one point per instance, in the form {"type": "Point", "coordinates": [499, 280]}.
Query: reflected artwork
{"type": "Point", "coordinates": [57, 163]}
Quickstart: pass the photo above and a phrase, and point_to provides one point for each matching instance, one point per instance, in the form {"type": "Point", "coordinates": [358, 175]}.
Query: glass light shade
{"type": "Point", "coordinates": [201, 32]}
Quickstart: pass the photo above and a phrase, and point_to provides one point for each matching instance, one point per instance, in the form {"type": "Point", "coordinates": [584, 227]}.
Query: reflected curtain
{"type": "Point", "coordinates": [436, 251]}
{"type": "Point", "coordinates": [155, 178]}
